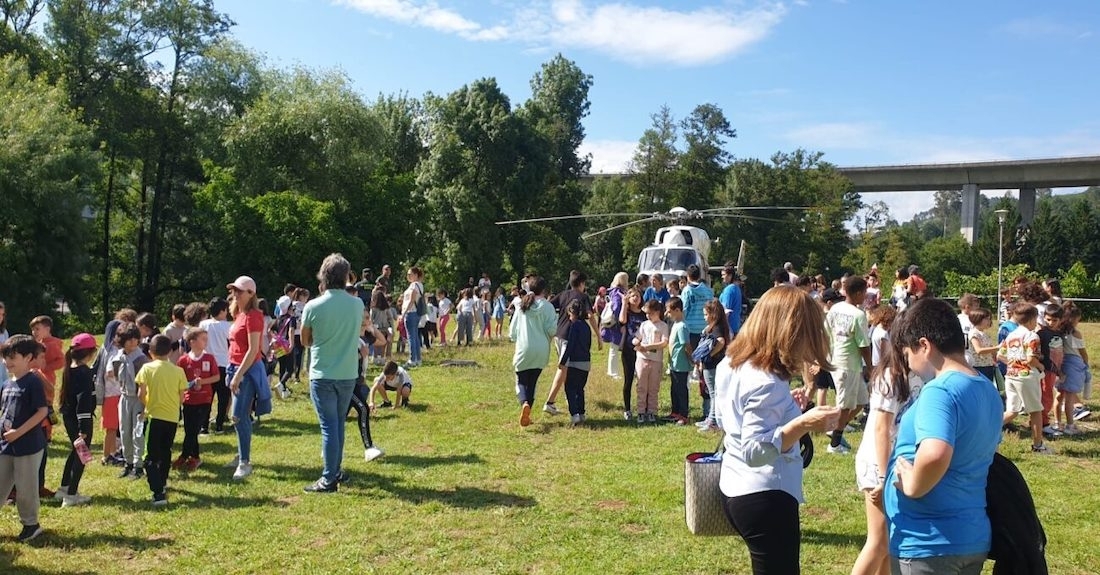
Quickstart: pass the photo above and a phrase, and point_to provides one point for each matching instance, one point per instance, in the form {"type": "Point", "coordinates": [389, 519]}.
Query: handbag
{"type": "Point", "coordinates": [279, 346]}
{"type": "Point", "coordinates": [704, 504]}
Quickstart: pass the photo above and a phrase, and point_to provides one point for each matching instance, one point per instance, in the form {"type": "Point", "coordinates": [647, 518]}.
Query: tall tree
{"type": "Point", "coordinates": [703, 164]}
{"type": "Point", "coordinates": [653, 180]}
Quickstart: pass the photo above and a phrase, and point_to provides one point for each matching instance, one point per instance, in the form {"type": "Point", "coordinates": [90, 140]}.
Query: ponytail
{"type": "Point", "coordinates": [892, 373]}
{"type": "Point", "coordinates": [537, 286]}
{"type": "Point", "coordinates": [66, 373]}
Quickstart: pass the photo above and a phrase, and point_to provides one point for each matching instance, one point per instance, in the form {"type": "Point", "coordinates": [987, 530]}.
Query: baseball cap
{"type": "Point", "coordinates": [84, 341]}
{"type": "Point", "coordinates": [831, 295]}
{"type": "Point", "coordinates": [243, 283]}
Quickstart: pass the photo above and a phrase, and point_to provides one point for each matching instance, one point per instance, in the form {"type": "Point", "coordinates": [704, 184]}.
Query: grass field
{"type": "Point", "coordinates": [463, 490]}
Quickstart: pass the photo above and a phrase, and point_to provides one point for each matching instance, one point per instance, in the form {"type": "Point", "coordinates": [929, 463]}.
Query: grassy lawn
{"type": "Point", "coordinates": [463, 490]}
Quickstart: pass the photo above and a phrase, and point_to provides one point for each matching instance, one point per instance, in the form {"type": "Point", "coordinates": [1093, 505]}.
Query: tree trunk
{"type": "Point", "coordinates": [108, 201]}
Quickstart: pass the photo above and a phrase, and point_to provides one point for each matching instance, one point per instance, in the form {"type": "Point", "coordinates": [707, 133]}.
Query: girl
{"type": "Point", "coordinates": [247, 379]}
{"type": "Point", "coordinates": [486, 314]}
{"type": "Point", "coordinates": [880, 320]}
{"type": "Point", "coordinates": [466, 307]}
{"type": "Point", "coordinates": [893, 391]}
{"type": "Point", "coordinates": [715, 336]}
{"type": "Point", "coordinates": [1075, 367]}
{"type": "Point", "coordinates": [650, 345]}
{"type": "Point", "coordinates": [77, 408]}
{"type": "Point", "coordinates": [413, 305]}
{"type": "Point", "coordinates": [613, 334]}
{"type": "Point", "coordinates": [873, 294]}
{"type": "Point", "coordinates": [444, 316]}
{"type": "Point", "coordinates": [301, 296]}
{"type": "Point", "coordinates": [576, 357]}
{"type": "Point", "coordinates": [900, 293]}
{"type": "Point", "coordinates": [380, 317]}
{"type": "Point", "coordinates": [981, 352]}
{"type": "Point", "coordinates": [498, 311]}
{"type": "Point", "coordinates": [532, 329]}
{"type": "Point", "coordinates": [631, 318]}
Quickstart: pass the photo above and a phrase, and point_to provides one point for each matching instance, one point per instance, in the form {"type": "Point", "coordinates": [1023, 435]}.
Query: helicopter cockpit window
{"type": "Point", "coordinates": [667, 259]}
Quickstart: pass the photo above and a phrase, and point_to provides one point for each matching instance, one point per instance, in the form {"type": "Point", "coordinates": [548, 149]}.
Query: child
{"type": "Point", "coordinates": [820, 380]}
{"type": "Point", "coordinates": [201, 370]}
{"type": "Point", "coordinates": [147, 324]}
{"type": "Point", "coordinates": [123, 369]}
{"type": "Point", "coordinates": [161, 388]}
{"type": "Point", "coordinates": [650, 343]}
{"type": "Point", "coordinates": [217, 329]}
{"type": "Point", "coordinates": [393, 378]}
{"type": "Point", "coordinates": [981, 353]}
{"type": "Point", "coordinates": [679, 362]}
{"type": "Point", "coordinates": [576, 359]}
{"type": "Point", "coordinates": [22, 408]}
{"type": "Point", "coordinates": [47, 366]}
{"type": "Point", "coordinates": [707, 355]}
{"type": "Point", "coordinates": [1050, 353]}
{"type": "Point", "coordinates": [1020, 353]}
{"type": "Point", "coordinates": [176, 332]}
{"type": "Point", "coordinates": [77, 409]}
{"type": "Point", "coordinates": [1075, 369]}
{"type": "Point", "coordinates": [359, 396]}
{"type": "Point", "coordinates": [499, 305]}
{"type": "Point", "coordinates": [851, 354]}
{"type": "Point", "coordinates": [880, 320]}
{"type": "Point", "coordinates": [445, 305]}
{"type": "Point", "coordinates": [967, 303]}
{"type": "Point", "coordinates": [107, 394]}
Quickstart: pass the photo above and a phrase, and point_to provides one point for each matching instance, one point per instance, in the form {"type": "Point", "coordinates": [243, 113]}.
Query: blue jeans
{"type": "Point", "coordinates": [332, 399]}
{"type": "Point", "coordinates": [246, 395]}
{"type": "Point", "coordinates": [412, 330]}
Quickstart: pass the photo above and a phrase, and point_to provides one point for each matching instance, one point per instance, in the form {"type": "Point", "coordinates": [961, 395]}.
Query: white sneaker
{"type": "Point", "coordinates": [840, 449]}
{"type": "Point", "coordinates": [576, 419]}
{"type": "Point", "coordinates": [1042, 449]}
{"type": "Point", "coordinates": [75, 500]}
{"type": "Point", "coordinates": [61, 493]}
{"type": "Point", "coordinates": [243, 470]}
{"type": "Point", "coordinates": [284, 393]}
{"type": "Point", "coordinates": [373, 453]}
{"type": "Point", "coordinates": [1071, 429]}
{"type": "Point", "coordinates": [551, 409]}
{"type": "Point", "coordinates": [628, 415]}
{"type": "Point", "coordinates": [234, 462]}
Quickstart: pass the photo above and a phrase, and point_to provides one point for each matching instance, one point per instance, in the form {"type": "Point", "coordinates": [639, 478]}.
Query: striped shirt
{"type": "Point", "coordinates": [695, 296]}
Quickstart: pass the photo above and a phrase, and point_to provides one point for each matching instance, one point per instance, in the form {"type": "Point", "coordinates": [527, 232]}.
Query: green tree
{"type": "Point", "coordinates": [653, 178]}
{"type": "Point", "coordinates": [703, 164]}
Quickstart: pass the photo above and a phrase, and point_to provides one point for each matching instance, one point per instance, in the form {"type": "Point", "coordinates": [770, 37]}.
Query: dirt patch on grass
{"type": "Point", "coordinates": [634, 528]}
{"type": "Point", "coordinates": [611, 505]}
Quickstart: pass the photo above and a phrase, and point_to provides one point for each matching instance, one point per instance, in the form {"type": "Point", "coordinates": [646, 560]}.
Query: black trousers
{"type": "Point", "coordinates": [629, 357]}
{"type": "Point", "coordinates": [286, 369]}
{"type": "Point", "coordinates": [525, 385]}
{"type": "Point", "coordinates": [299, 353]}
{"type": "Point", "coordinates": [74, 468]}
{"type": "Point", "coordinates": [679, 392]}
{"type": "Point", "coordinates": [221, 391]}
{"type": "Point", "coordinates": [575, 380]}
{"type": "Point", "coordinates": [159, 437]}
{"type": "Point", "coordinates": [194, 418]}
{"type": "Point", "coordinates": [768, 522]}
{"type": "Point", "coordinates": [359, 404]}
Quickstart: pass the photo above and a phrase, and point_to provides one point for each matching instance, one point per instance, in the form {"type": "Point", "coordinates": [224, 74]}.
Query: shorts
{"type": "Point", "coordinates": [851, 390]}
{"type": "Point", "coordinates": [110, 413]}
{"type": "Point", "coordinates": [1075, 374]}
{"type": "Point", "coordinates": [824, 380]}
{"type": "Point", "coordinates": [392, 388]}
{"type": "Point", "coordinates": [1023, 393]}
{"type": "Point", "coordinates": [866, 474]}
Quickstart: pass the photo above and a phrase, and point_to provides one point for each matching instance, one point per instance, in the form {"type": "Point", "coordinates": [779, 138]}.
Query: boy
{"type": "Point", "coordinates": [393, 378]}
{"type": "Point", "coordinates": [176, 330]}
{"type": "Point", "coordinates": [1051, 354]}
{"type": "Point", "coordinates": [846, 323]}
{"type": "Point", "coordinates": [47, 364]}
{"type": "Point", "coordinates": [217, 328]}
{"type": "Point", "coordinates": [22, 440]}
{"type": "Point", "coordinates": [122, 370]}
{"type": "Point", "coordinates": [202, 373]}
{"type": "Point", "coordinates": [161, 388]}
{"type": "Point", "coordinates": [576, 359]}
{"type": "Point", "coordinates": [679, 361]}
{"type": "Point", "coordinates": [650, 344]}
{"type": "Point", "coordinates": [1020, 353]}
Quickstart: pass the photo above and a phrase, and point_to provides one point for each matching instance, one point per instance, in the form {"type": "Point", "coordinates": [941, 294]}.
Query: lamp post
{"type": "Point", "coordinates": [1001, 214]}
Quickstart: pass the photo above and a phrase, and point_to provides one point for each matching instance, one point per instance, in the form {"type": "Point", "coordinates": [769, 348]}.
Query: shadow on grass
{"type": "Point", "coordinates": [51, 539]}
{"type": "Point", "coordinates": [185, 498]}
{"type": "Point", "coordinates": [427, 461]}
{"type": "Point", "coordinates": [815, 537]}
{"type": "Point", "coordinates": [1069, 448]}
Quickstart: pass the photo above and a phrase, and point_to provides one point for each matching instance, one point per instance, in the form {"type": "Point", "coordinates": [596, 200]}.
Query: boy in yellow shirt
{"type": "Point", "coordinates": [161, 385]}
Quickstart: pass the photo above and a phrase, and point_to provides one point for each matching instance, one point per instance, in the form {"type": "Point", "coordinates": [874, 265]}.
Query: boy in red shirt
{"type": "Point", "coordinates": [47, 366]}
{"type": "Point", "coordinates": [202, 373]}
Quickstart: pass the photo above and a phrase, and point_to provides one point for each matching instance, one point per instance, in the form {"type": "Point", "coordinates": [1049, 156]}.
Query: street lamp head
{"type": "Point", "coordinates": [1001, 214]}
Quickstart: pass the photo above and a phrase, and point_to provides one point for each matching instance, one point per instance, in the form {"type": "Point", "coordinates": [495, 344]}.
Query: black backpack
{"type": "Point", "coordinates": [1019, 541]}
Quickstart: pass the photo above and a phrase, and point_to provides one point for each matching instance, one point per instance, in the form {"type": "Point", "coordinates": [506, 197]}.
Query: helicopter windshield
{"type": "Point", "coordinates": [667, 259]}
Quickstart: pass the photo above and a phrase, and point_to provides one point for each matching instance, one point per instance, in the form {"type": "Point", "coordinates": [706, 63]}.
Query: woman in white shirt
{"type": "Point", "coordinates": [763, 423]}
{"type": "Point", "coordinates": [412, 307]}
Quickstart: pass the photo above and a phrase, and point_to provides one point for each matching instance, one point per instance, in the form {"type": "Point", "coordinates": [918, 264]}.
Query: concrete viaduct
{"type": "Point", "coordinates": [971, 178]}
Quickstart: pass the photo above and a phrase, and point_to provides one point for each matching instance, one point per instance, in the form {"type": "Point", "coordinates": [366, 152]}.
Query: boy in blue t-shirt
{"type": "Point", "coordinates": [23, 406]}
{"type": "Point", "coordinates": [679, 361]}
{"type": "Point", "coordinates": [935, 484]}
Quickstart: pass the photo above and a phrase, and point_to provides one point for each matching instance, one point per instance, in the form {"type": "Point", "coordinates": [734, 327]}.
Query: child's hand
{"type": "Point", "coordinates": [11, 435]}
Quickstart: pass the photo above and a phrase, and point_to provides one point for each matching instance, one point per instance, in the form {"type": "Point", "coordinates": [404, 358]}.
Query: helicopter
{"type": "Point", "coordinates": [675, 247]}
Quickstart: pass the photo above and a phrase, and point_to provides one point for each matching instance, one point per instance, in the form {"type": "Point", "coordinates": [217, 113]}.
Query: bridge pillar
{"type": "Point", "coordinates": [1027, 206]}
{"type": "Point", "coordinates": [971, 201]}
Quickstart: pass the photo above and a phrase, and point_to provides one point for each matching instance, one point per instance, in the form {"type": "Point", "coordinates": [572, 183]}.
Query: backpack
{"type": "Point", "coordinates": [607, 316]}
{"type": "Point", "coordinates": [1019, 541]}
{"type": "Point", "coordinates": [421, 303]}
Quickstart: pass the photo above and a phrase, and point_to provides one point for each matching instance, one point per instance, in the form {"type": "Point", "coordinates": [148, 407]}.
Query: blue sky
{"type": "Point", "coordinates": [865, 82]}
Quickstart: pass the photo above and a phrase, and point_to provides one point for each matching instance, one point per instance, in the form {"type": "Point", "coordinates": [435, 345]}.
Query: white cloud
{"type": "Point", "coordinates": [609, 156]}
{"type": "Point", "coordinates": [622, 30]}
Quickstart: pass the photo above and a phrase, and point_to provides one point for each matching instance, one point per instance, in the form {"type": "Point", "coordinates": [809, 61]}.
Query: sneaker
{"type": "Point", "coordinates": [29, 532]}
{"type": "Point", "coordinates": [1071, 429]}
{"type": "Point", "coordinates": [61, 493]}
{"type": "Point", "coordinates": [551, 409]}
{"type": "Point", "coordinates": [386, 404]}
{"type": "Point", "coordinates": [179, 463]}
{"type": "Point", "coordinates": [584, 418]}
{"type": "Point", "coordinates": [126, 471]}
{"type": "Point", "coordinates": [320, 486]}
{"type": "Point", "coordinates": [243, 470]}
{"type": "Point", "coordinates": [1081, 413]}
{"type": "Point", "coordinates": [641, 418]}
{"type": "Point", "coordinates": [1042, 449]}
{"type": "Point", "coordinates": [840, 449]}
{"type": "Point", "coordinates": [138, 473]}
{"type": "Point", "coordinates": [844, 442]}
{"type": "Point", "coordinates": [525, 415]}
{"type": "Point", "coordinates": [343, 477]}
{"type": "Point", "coordinates": [234, 463]}
{"type": "Point", "coordinates": [44, 493]}
{"type": "Point", "coordinates": [193, 463]}
{"type": "Point", "coordinates": [373, 453]}
{"type": "Point", "coordinates": [1051, 430]}
{"type": "Point", "coordinates": [704, 424]}
{"type": "Point", "coordinates": [160, 500]}
{"type": "Point", "coordinates": [284, 393]}
{"type": "Point", "coordinates": [628, 415]}
{"type": "Point", "coordinates": [651, 418]}
{"type": "Point", "coordinates": [708, 429]}
{"type": "Point", "coordinates": [75, 500]}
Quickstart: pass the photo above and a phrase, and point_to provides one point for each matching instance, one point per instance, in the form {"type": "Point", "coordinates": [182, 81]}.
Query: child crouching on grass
{"type": "Point", "coordinates": [161, 385]}
{"type": "Point", "coordinates": [23, 406]}
{"type": "Point", "coordinates": [393, 378]}
{"type": "Point", "coordinates": [576, 359]}
{"type": "Point", "coordinates": [201, 370]}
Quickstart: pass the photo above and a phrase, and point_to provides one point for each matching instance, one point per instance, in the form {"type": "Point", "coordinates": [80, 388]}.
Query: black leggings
{"type": "Point", "coordinates": [768, 522]}
{"type": "Point", "coordinates": [286, 369]}
{"type": "Point", "coordinates": [221, 389]}
{"type": "Point", "coordinates": [629, 356]}
{"type": "Point", "coordinates": [298, 352]}
{"type": "Point", "coordinates": [74, 468]}
{"type": "Point", "coordinates": [359, 404]}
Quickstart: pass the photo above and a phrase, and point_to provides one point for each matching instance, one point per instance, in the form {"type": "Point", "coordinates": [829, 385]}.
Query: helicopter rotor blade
{"type": "Point", "coordinates": [613, 228]}
{"type": "Point", "coordinates": [753, 208]}
{"type": "Point", "coordinates": [575, 217]}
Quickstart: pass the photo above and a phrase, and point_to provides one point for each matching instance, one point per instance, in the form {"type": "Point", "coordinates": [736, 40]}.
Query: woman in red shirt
{"type": "Point", "coordinates": [246, 373]}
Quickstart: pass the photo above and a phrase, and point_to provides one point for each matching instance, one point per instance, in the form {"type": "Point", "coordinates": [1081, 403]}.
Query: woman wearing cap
{"type": "Point", "coordinates": [246, 373]}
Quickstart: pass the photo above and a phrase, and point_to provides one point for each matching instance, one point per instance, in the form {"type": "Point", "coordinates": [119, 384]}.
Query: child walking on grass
{"type": "Point", "coordinates": [650, 344]}
{"type": "Point", "coordinates": [23, 406]}
{"type": "Point", "coordinates": [201, 371]}
{"type": "Point", "coordinates": [576, 359]}
{"type": "Point", "coordinates": [161, 385]}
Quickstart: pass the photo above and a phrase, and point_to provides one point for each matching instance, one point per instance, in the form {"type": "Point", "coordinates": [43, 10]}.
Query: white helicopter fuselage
{"type": "Point", "coordinates": [675, 248]}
